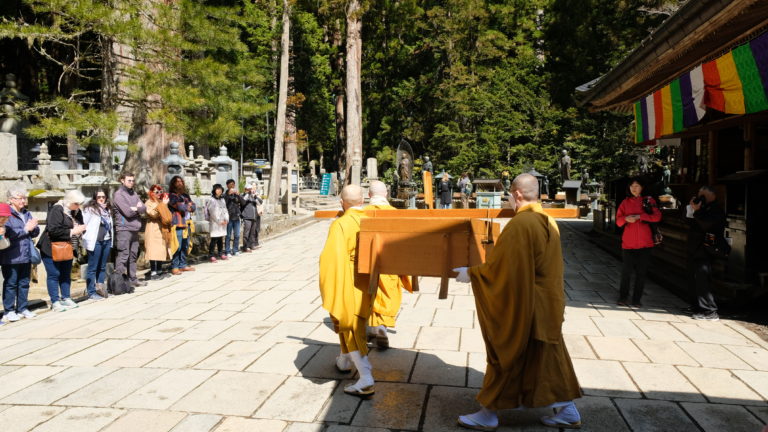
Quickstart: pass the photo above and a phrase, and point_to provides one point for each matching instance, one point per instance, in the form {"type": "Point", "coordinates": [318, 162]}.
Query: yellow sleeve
{"type": "Point", "coordinates": [334, 277]}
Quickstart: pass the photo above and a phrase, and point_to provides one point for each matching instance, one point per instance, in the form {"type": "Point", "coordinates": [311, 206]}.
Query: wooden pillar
{"type": "Point", "coordinates": [711, 156]}
{"type": "Point", "coordinates": [749, 146]}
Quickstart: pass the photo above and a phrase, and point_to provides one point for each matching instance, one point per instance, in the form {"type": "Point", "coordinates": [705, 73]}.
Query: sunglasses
{"type": "Point", "coordinates": [101, 196]}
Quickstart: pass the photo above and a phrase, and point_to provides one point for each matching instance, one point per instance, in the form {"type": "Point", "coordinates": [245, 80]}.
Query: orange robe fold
{"type": "Point", "coordinates": [520, 303]}
{"type": "Point", "coordinates": [345, 292]}
{"type": "Point", "coordinates": [386, 305]}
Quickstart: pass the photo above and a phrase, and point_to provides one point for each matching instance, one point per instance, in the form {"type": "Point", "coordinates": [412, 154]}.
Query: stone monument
{"type": "Point", "coordinates": [565, 166]}
{"type": "Point", "coordinates": [372, 169]}
{"type": "Point", "coordinates": [223, 165]}
{"type": "Point", "coordinates": [357, 167]}
{"type": "Point", "coordinates": [174, 163]}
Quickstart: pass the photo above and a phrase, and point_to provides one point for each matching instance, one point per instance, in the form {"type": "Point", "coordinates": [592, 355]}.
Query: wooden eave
{"type": "Point", "coordinates": [699, 31]}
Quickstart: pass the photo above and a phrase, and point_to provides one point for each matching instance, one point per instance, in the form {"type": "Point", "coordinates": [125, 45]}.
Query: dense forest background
{"type": "Point", "coordinates": [478, 85]}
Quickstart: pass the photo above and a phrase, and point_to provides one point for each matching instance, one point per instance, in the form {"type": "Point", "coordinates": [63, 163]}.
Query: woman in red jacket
{"type": "Point", "coordinates": [634, 214]}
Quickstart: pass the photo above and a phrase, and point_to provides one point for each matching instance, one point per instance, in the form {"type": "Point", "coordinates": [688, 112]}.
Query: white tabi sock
{"type": "Point", "coordinates": [343, 362]}
{"type": "Point", "coordinates": [364, 368]}
{"type": "Point", "coordinates": [484, 417]}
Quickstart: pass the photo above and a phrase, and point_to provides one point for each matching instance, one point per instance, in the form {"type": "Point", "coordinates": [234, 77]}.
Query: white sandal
{"type": "Point", "coordinates": [467, 422]}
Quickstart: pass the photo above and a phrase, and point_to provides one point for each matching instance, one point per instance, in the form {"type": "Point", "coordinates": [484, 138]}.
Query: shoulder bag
{"type": "Point", "coordinates": [62, 251]}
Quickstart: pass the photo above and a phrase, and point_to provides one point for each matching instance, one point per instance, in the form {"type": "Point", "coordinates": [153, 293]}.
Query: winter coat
{"type": "Point", "coordinates": [92, 222]}
{"type": "Point", "coordinates": [19, 249]}
{"type": "Point", "coordinates": [234, 204]}
{"type": "Point", "coordinates": [216, 213]}
{"type": "Point", "coordinates": [157, 233]}
{"type": "Point", "coordinates": [710, 218]}
{"type": "Point", "coordinates": [181, 206]}
{"type": "Point", "coordinates": [637, 235]}
{"type": "Point", "coordinates": [445, 189]}
{"type": "Point", "coordinates": [58, 228]}
{"type": "Point", "coordinates": [249, 211]}
{"type": "Point", "coordinates": [125, 218]}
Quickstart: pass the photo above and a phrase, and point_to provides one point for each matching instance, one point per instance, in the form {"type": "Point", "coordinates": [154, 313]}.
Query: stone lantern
{"type": "Point", "coordinates": [174, 163]}
{"type": "Point", "coordinates": [223, 165]}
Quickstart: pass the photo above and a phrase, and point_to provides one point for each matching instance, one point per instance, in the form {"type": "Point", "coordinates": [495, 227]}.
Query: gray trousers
{"type": "Point", "coordinates": [251, 232]}
{"type": "Point", "coordinates": [127, 245]}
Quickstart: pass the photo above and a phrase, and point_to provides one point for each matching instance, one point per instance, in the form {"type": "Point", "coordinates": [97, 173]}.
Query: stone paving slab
{"type": "Point", "coordinates": [245, 346]}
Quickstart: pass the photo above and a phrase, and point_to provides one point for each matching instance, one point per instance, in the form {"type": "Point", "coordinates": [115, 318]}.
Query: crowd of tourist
{"type": "Point", "coordinates": [98, 225]}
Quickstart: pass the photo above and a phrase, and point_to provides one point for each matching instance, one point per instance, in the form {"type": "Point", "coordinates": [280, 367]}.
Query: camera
{"type": "Point", "coordinates": [648, 205]}
{"type": "Point", "coordinates": [698, 199]}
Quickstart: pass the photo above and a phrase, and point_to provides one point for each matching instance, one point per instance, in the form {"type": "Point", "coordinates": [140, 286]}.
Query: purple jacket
{"type": "Point", "coordinates": [18, 251]}
{"type": "Point", "coordinates": [125, 218]}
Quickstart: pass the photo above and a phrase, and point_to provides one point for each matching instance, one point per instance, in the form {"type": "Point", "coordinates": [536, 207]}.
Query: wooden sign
{"type": "Point", "coordinates": [422, 247]}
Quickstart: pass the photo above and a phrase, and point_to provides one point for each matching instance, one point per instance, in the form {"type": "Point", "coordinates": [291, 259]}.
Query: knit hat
{"type": "Point", "coordinates": [5, 210]}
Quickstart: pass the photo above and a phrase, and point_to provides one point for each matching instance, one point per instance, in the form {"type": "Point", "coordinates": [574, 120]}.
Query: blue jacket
{"type": "Point", "coordinates": [18, 251]}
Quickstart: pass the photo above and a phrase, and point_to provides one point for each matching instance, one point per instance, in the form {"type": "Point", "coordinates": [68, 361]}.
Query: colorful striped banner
{"type": "Point", "coordinates": [734, 83]}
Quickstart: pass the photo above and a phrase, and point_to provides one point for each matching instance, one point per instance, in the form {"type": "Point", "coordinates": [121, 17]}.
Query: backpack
{"type": "Point", "coordinates": [118, 284]}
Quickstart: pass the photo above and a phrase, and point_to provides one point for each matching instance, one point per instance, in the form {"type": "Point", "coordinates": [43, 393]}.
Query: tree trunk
{"type": "Point", "coordinates": [354, 90]}
{"type": "Point", "coordinates": [277, 159]}
{"type": "Point", "coordinates": [340, 152]}
{"type": "Point", "coordinates": [291, 132]}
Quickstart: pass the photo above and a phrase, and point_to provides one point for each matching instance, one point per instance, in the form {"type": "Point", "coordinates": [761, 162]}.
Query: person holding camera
{"type": "Point", "coordinates": [64, 226]}
{"type": "Point", "coordinates": [706, 220]}
{"type": "Point", "coordinates": [635, 214]}
{"type": "Point", "coordinates": [157, 233]}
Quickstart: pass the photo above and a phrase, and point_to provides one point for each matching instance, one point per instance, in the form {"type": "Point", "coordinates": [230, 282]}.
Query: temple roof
{"type": "Point", "coordinates": [698, 32]}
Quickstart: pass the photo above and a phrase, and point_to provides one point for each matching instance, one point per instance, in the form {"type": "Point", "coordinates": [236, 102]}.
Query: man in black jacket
{"type": "Point", "coordinates": [234, 204]}
{"type": "Point", "coordinates": [707, 224]}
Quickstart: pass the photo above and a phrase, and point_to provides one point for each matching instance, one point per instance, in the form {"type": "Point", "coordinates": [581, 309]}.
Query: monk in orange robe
{"type": "Point", "coordinates": [345, 292]}
{"type": "Point", "coordinates": [520, 305]}
{"type": "Point", "coordinates": [388, 299]}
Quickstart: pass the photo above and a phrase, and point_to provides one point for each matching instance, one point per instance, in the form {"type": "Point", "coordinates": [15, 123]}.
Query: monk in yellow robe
{"type": "Point", "coordinates": [388, 299]}
{"type": "Point", "coordinates": [520, 305]}
{"type": "Point", "coordinates": [345, 292]}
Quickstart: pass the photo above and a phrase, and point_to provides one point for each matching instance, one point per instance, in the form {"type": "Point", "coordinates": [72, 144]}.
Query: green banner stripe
{"type": "Point", "coordinates": [751, 84]}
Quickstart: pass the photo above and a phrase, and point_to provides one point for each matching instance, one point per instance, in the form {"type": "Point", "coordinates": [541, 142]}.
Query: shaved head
{"type": "Point", "coordinates": [528, 187]}
{"type": "Point", "coordinates": [351, 195]}
{"type": "Point", "coordinates": [377, 188]}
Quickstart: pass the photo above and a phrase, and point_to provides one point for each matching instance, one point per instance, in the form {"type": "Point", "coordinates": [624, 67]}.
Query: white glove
{"type": "Point", "coordinates": [463, 275]}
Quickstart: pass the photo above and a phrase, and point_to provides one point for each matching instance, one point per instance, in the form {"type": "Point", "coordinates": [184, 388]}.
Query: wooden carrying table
{"type": "Point", "coordinates": [422, 247]}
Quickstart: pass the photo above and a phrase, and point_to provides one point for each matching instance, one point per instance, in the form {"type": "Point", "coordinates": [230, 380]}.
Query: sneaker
{"type": "Point", "coordinates": [58, 307]}
{"type": "Point", "coordinates": [213, 259]}
{"type": "Point", "coordinates": [138, 283]}
{"type": "Point", "coordinates": [248, 250]}
{"type": "Point", "coordinates": [229, 255]}
{"type": "Point", "coordinates": [165, 275]}
{"type": "Point", "coordinates": [95, 297]}
{"type": "Point", "coordinates": [155, 277]}
{"type": "Point", "coordinates": [711, 316]}
{"type": "Point", "coordinates": [12, 316]}
{"type": "Point", "coordinates": [68, 303]}
{"type": "Point", "coordinates": [224, 257]}
{"type": "Point", "coordinates": [101, 289]}
{"type": "Point", "coordinates": [28, 314]}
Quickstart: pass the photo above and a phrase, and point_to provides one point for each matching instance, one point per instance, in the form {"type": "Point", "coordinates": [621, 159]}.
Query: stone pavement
{"type": "Point", "coordinates": [244, 345]}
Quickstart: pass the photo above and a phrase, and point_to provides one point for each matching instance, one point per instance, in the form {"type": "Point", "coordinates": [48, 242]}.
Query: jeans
{"type": "Point", "coordinates": [15, 286]}
{"type": "Point", "coordinates": [445, 205]}
{"type": "Point", "coordinates": [232, 227]}
{"type": "Point", "coordinates": [59, 276]}
{"type": "Point", "coordinates": [635, 260]}
{"type": "Point", "coordinates": [127, 253]}
{"type": "Point", "coordinates": [179, 260]}
{"type": "Point", "coordinates": [97, 265]}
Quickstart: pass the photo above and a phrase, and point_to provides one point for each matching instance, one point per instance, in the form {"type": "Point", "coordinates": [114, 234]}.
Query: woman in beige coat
{"type": "Point", "coordinates": [157, 234]}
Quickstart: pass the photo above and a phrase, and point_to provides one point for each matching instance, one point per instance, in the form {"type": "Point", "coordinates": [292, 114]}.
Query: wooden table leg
{"type": "Point", "coordinates": [415, 283]}
{"type": "Point", "coordinates": [446, 267]}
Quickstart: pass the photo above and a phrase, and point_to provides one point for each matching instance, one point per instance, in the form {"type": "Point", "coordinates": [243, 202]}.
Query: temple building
{"type": "Point", "coordinates": [698, 89]}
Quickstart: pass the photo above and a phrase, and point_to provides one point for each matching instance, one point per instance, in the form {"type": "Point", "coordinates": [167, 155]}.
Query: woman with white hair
{"type": "Point", "coordinates": [64, 224]}
{"type": "Point", "coordinates": [20, 229]}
